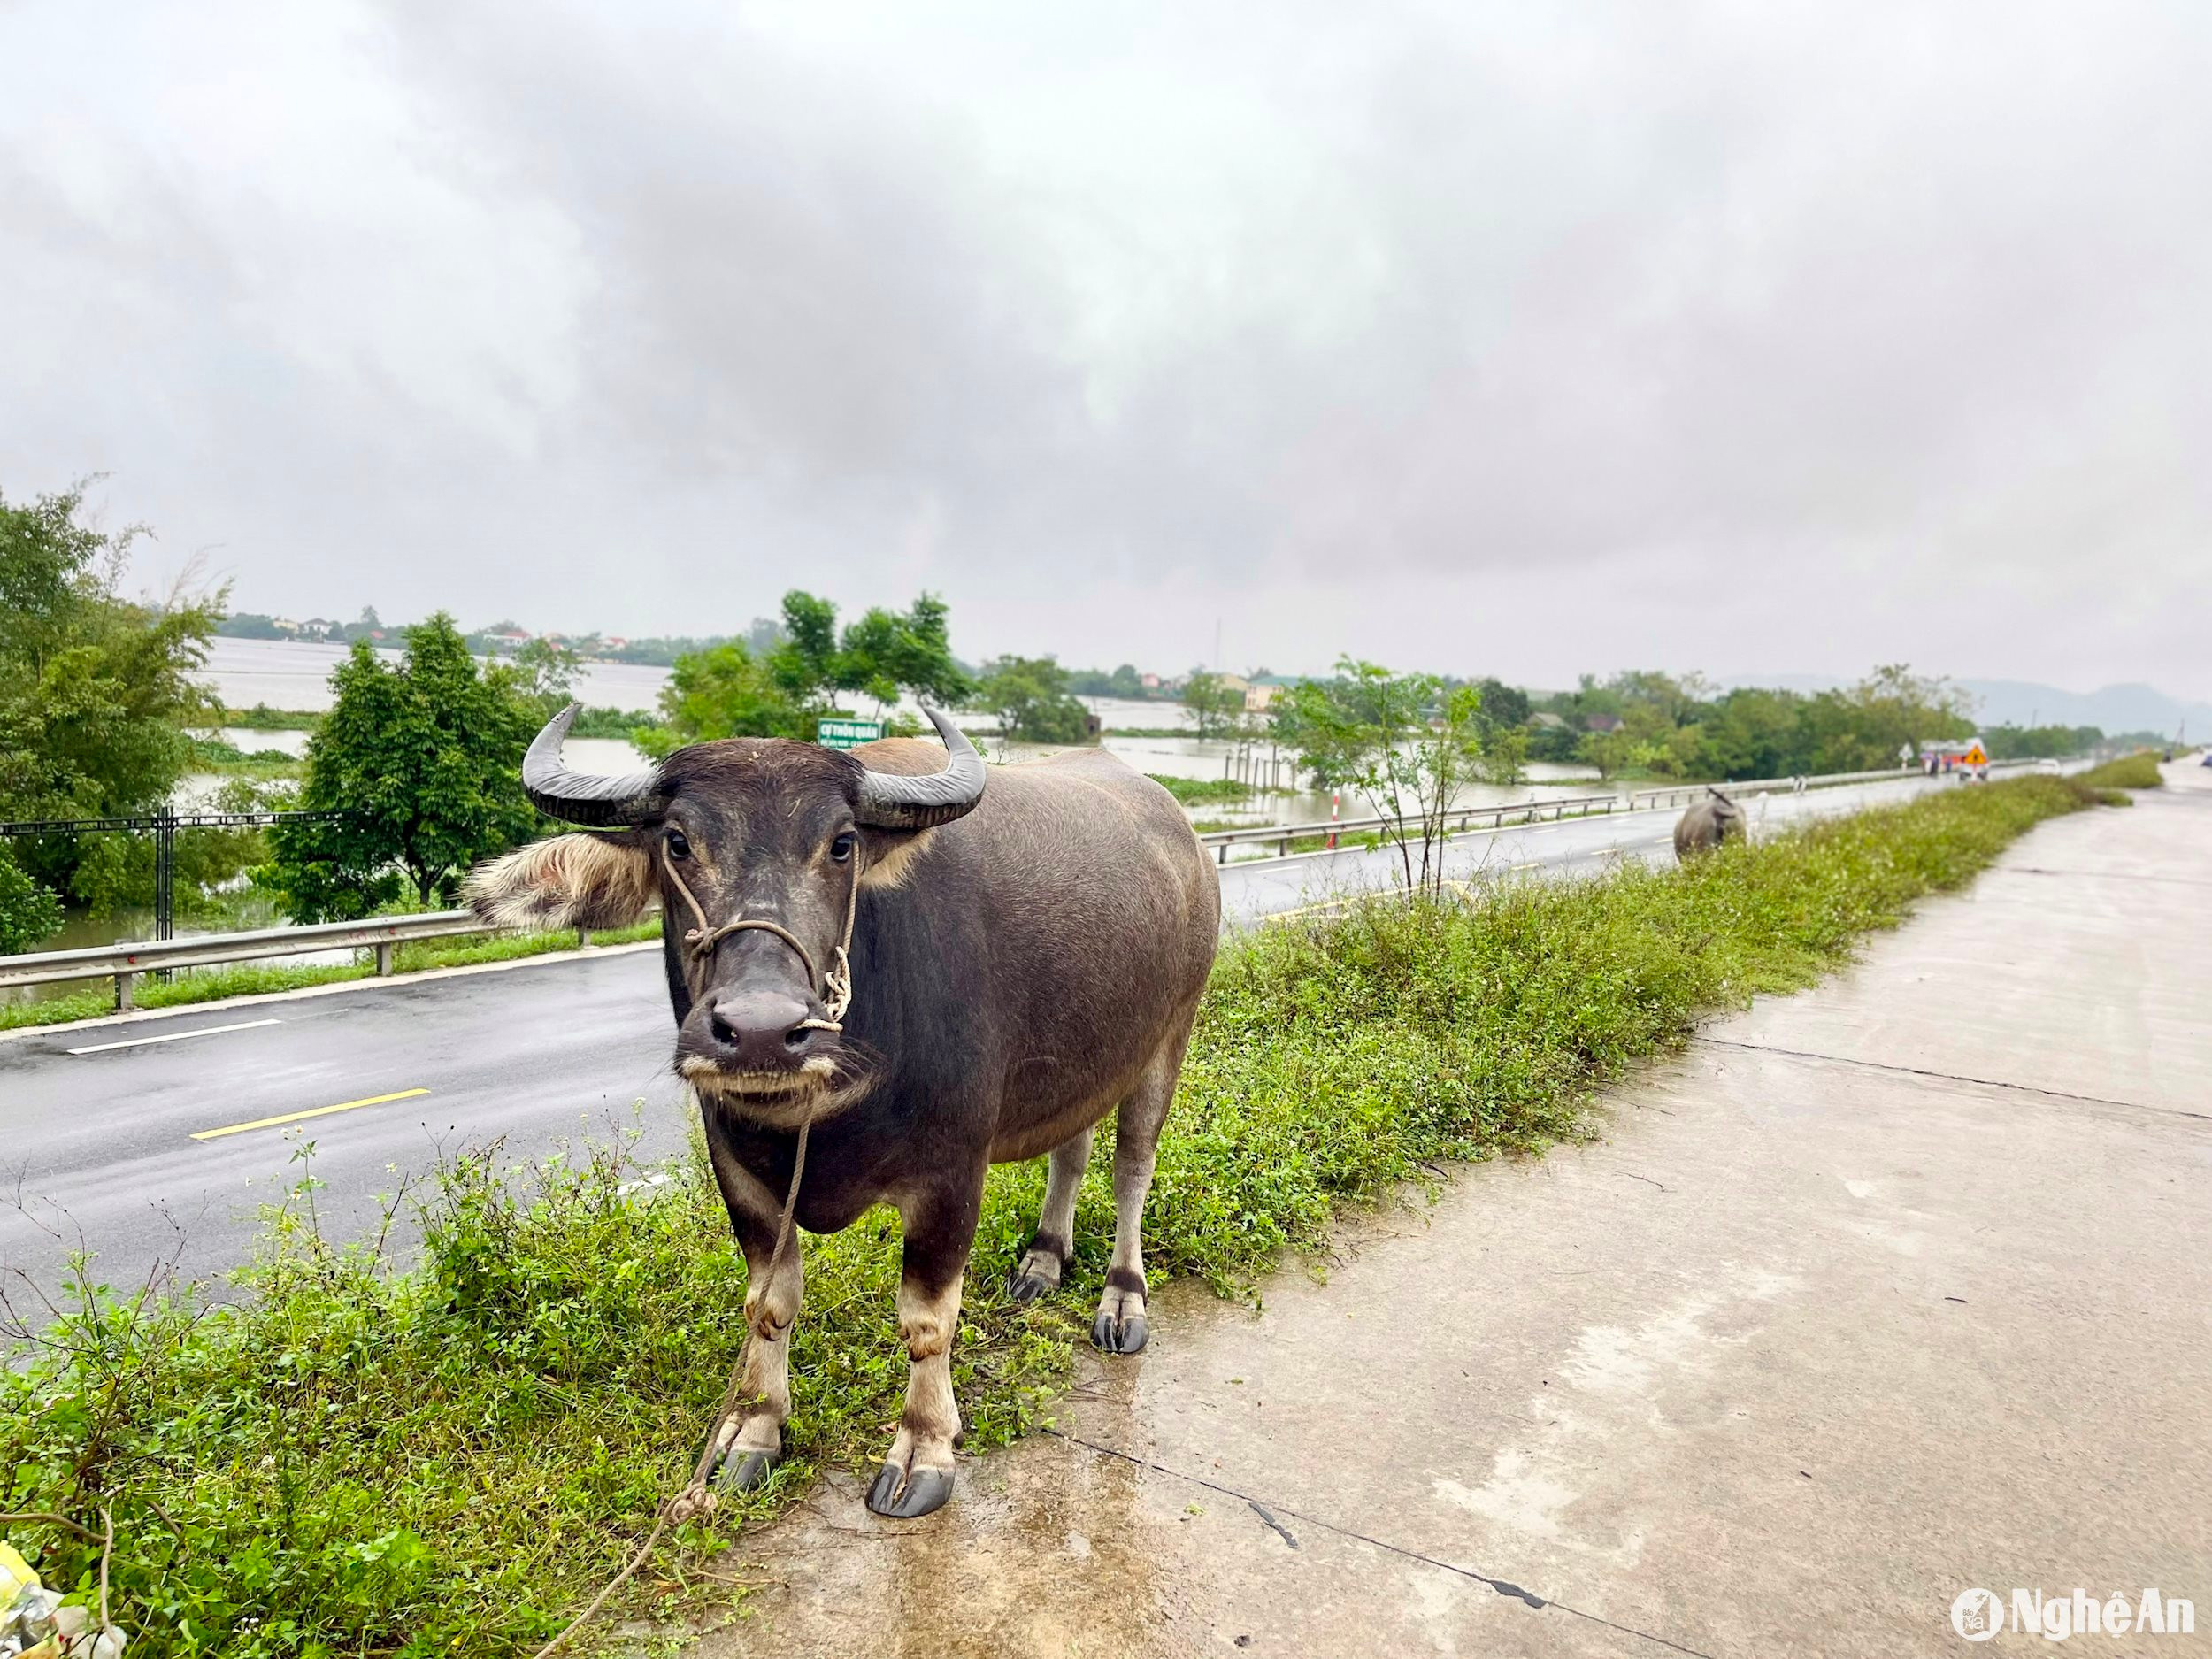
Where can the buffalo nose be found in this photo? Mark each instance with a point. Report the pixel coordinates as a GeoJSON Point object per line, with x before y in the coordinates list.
{"type": "Point", "coordinates": [761, 1030]}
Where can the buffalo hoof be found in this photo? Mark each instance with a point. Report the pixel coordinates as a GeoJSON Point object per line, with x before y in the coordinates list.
{"type": "Point", "coordinates": [901, 1495]}
{"type": "Point", "coordinates": [742, 1471]}
{"type": "Point", "coordinates": [1120, 1333]}
{"type": "Point", "coordinates": [1025, 1287]}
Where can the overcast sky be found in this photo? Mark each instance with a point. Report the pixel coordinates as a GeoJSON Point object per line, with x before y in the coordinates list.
{"type": "Point", "coordinates": [1513, 338]}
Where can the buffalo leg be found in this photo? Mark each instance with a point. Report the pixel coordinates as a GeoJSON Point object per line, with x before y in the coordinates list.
{"type": "Point", "coordinates": [1037, 1272]}
{"type": "Point", "coordinates": [1120, 1326]}
{"type": "Point", "coordinates": [917, 1475]}
{"type": "Point", "coordinates": [751, 1437]}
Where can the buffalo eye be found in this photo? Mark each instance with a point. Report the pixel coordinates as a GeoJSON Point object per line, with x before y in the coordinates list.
{"type": "Point", "coordinates": [841, 848]}
{"type": "Point", "coordinates": [679, 844]}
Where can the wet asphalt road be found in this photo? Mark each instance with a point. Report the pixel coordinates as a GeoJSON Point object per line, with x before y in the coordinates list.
{"type": "Point", "coordinates": [106, 1130]}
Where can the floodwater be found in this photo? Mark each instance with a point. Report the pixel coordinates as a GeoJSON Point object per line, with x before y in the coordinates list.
{"type": "Point", "coordinates": [295, 674]}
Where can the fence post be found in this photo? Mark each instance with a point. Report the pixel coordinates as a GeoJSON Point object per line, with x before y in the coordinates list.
{"type": "Point", "coordinates": [384, 959]}
{"type": "Point", "coordinates": [123, 991]}
{"type": "Point", "coordinates": [583, 938]}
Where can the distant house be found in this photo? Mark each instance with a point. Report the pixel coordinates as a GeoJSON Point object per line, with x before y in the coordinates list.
{"type": "Point", "coordinates": [1547, 720]}
{"type": "Point", "coordinates": [316, 628]}
{"type": "Point", "coordinates": [614, 643]}
{"type": "Point", "coordinates": [1151, 682]}
{"type": "Point", "coordinates": [1260, 694]}
{"type": "Point", "coordinates": [509, 639]}
{"type": "Point", "coordinates": [1601, 723]}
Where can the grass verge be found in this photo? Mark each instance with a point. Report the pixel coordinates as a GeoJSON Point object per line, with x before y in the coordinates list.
{"type": "Point", "coordinates": [362, 1460]}
{"type": "Point", "coordinates": [2139, 770]}
{"type": "Point", "coordinates": [253, 979]}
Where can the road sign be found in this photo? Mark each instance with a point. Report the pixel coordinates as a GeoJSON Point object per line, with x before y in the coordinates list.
{"type": "Point", "coordinates": [846, 734]}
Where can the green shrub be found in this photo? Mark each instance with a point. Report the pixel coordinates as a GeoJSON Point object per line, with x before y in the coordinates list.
{"type": "Point", "coordinates": [2139, 770]}
{"type": "Point", "coordinates": [29, 910]}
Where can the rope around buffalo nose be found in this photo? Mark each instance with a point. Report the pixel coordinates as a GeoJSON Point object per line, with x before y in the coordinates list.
{"type": "Point", "coordinates": [697, 1499]}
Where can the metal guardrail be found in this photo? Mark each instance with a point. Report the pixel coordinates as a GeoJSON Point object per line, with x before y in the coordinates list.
{"type": "Point", "coordinates": [1456, 821]}
{"type": "Point", "coordinates": [1684, 793]}
{"type": "Point", "coordinates": [125, 962]}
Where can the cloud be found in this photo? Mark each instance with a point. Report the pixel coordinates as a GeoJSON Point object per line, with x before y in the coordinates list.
{"type": "Point", "coordinates": [1509, 338]}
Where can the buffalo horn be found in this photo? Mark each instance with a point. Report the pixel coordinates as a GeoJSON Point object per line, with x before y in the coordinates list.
{"type": "Point", "coordinates": [890, 800]}
{"type": "Point", "coordinates": [580, 797]}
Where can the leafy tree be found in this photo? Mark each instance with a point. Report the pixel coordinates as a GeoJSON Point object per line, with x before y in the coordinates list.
{"type": "Point", "coordinates": [804, 665]}
{"type": "Point", "coordinates": [1213, 705]}
{"type": "Point", "coordinates": [884, 653]}
{"type": "Point", "coordinates": [95, 691]}
{"type": "Point", "coordinates": [1030, 696]}
{"type": "Point", "coordinates": [727, 691]}
{"type": "Point", "coordinates": [424, 758]}
{"type": "Point", "coordinates": [547, 671]}
{"type": "Point", "coordinates": [1503, 706]}
{"type": "Point", "coordinates": [1892, 709]}
{"type": "Point", "coordinates": [28, 911]}
{"type": "Point", "coordinates": [1405, 741]}
{"type": "Point", "coordinates": [1503, 761]}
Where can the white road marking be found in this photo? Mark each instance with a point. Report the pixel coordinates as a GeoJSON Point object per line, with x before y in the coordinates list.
{"type": "Point", "coordinates": [175, 1036]}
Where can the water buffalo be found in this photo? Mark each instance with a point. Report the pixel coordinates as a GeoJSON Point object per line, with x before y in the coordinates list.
{"type": "Point", "coordinates": [1707, 824]}
{"type": "Point", "coordinates": [930, 975]}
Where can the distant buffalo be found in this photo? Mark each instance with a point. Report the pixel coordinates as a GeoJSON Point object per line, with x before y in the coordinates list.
{"type": "Point", "coordinates": [1707, 824]}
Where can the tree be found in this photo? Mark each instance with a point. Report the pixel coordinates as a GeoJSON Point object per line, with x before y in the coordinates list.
{"type": "Point", "coordinates": [1503, 706]}
{"type": "Point", "coordinates": [1213, 705]}
{"type": "Point", "coordinates": [96, 692]}
{"type": "Point", "coordinates": [1892, 709]}
{"type": "Point", "coordinates": [1755, 732]}
{"type": "Point", "coordinates": [804, 665]}
{"type": "Point", "coordinates": [1504, 711]}
{"type": "Point", "coordinates": [1029, 695]}
{"type": "Point", "coordinates": [884, 653]}
{"type": "Point", "coordinates": [28, 911]}
{"type": "Point", "coordinates": [725, 691]}
{"type": "Point", "coordinates": [424, 759]}
{"type": "Point", "coordinates": [1503, 761]}
{"type": "Point", "coordinates": [547, 671]}
{"type": "Point", "coordinates": [1404, 741]}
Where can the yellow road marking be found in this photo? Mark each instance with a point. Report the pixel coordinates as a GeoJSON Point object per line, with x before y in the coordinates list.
{"type": "Point", "coordinates": [293, 1118]}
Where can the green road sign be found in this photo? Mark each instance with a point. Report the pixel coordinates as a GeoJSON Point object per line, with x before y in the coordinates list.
{"type": "Point", "coordinates": [846, 733]}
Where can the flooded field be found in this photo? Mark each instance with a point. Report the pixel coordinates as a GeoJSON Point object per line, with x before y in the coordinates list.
{"type": "Point", "coordinates": [295, 674]}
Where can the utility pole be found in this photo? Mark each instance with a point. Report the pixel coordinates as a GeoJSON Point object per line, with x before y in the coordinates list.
{"type": "Point", "coordinates": [1216, 645]}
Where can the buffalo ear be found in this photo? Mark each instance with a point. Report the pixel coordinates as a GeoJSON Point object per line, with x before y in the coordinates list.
{"type": "Point", "coordinates": [891, 854]}
{"type": "Point", "coordinates": [586, 881]}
